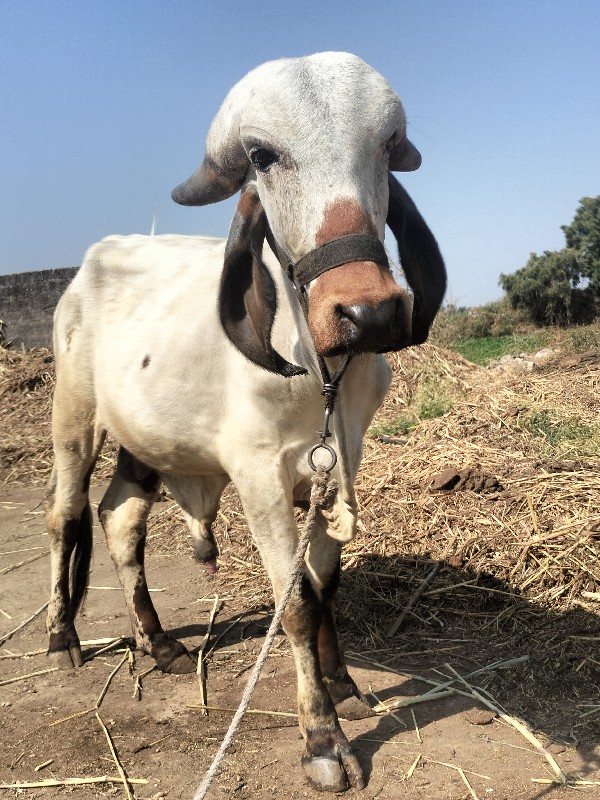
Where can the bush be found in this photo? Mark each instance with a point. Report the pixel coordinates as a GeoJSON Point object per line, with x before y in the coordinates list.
{"type": "Point", "coordinates": [494, 319]}
{"type": "Point", "coordinates": [584, 338]}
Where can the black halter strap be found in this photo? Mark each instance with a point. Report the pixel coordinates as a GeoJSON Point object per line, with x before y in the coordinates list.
{"type": "Point", "coordinates": [345, 249]}
{"type": "Point", "coordinates": [353, 247]}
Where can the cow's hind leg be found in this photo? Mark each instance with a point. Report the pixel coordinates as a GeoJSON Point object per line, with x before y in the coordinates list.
{"type": "Point", "coordinates": [123, 513]}
{"type": "Point", "coordinates": [69, 521]}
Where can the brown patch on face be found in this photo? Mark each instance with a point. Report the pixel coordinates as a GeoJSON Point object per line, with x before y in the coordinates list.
{"type": "Point", "coordinates": [342, 217]}
{"type": "Point", "coordinates": [358, 283]}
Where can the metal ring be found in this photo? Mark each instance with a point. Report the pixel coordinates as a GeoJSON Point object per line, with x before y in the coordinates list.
{"type": "Point", "coordinates": [330, 450]}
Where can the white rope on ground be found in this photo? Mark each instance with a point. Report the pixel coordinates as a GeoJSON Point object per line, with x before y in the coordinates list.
{"type": "Point", "coordinates": [321, 496]}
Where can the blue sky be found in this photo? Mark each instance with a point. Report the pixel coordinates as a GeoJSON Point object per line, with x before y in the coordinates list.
{"type": "Point", "coordinates": [104, 107]}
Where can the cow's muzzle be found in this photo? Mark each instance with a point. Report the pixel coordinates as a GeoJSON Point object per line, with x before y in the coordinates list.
{"type": "Point", "coordinates": [373, 328]}
{"type": "Point", "coordinates": [363, 309]}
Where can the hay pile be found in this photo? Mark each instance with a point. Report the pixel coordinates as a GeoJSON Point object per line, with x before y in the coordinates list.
{"type": "Point", "coordinates": [26, 385]}
{"type": "Point", "coordinates": [473, 488]}
{"type": "Point", "coordinates": [27, 381]}
{"type": "Point", "coordinates": [477, 530]}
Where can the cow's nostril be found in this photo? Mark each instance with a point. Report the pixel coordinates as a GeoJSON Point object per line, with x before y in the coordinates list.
{"type": "Point", "coordinates": [370, 318]}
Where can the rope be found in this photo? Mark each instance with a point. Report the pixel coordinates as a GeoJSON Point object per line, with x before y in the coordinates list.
{"type": "Point", "coordinates": [322, 495]}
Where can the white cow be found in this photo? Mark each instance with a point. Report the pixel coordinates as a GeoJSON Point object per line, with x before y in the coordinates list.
{"type": "Point", "coordinates": [204, 359]}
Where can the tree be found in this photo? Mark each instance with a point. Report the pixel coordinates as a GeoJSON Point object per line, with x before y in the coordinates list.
{"type": "Point", "coordinates": [562, 287]}
{"type": "Point", "coordinates": [583, 235]}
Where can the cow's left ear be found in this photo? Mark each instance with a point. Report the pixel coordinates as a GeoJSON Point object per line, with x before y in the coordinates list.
{"type": "Point", "coordinates": [420, 258]}
{"type": "Point", "coordinates": [247, 294]}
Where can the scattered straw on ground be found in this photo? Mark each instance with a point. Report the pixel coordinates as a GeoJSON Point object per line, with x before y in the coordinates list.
{"type": "Point", "coordinates": [509, 513]}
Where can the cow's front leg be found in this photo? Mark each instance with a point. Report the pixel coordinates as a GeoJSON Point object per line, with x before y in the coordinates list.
{"type": "Point", "coordinates": [323, 562]}
{"type": "Point", "coordinates": [329, 763]}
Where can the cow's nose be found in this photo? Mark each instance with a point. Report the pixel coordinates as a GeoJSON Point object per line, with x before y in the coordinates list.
{"type": "Point", "coordinates": [374, 328]}
{"type": "Point", "coordinates": [371, 317]}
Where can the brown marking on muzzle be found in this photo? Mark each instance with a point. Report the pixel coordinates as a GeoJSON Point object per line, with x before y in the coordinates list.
{"type": "Point", "coordinates": [342, 217]}
{"type": "Point", "coordinates": [357, 283]}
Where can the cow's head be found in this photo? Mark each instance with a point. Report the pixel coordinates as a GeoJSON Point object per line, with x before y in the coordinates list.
{"type": "Point", "coordinates": [312, 142]}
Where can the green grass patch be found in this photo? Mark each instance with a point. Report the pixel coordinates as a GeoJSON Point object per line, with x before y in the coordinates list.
{"type": "Point", "coordinates": [488, 348]}
{"type": "Point", "coordinates": [561, 434]}
{"type": "Point", "coordinates": [401, 424]}
{"type": "Point", "coordinates": [431, 399]}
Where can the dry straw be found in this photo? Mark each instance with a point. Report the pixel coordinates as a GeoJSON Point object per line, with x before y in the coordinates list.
{"type": "Point", "coordinates": [509, 515]}
{"type": "Point", "coordinates": [510, 529]}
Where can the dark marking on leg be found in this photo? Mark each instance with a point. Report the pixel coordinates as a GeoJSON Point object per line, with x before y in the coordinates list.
{"type": "Point", "coordinates": [73, 542]}
{"type": "Point", "coordinates": [64, 649]}
{"type": "Point", "coordinates": [62, 641]}
{"type": "Point", "coordinates": [171, 656]}
{"type": "Point", "coordinates": [330, 655]}
{"type": "Point", "coordinates": [303, 614]}
{"type": "Point", "coordinates": [123, 512]}
{"type": "Point", "coordinates": [349, 701]}
{"type": "Point", "coordinates": [145, 361]}
{"type": "Point", "coordinates": [133, 470]}
{"type": "Point", "coordinates": [330, 765]}
{"type": "Point", "coordinates": [82, 558]}
{"type": "Point", "coordinates": [145, 613]}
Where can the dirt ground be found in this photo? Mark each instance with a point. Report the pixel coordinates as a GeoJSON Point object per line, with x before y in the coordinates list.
{"type": "Point", "coordinates": [160, 738]}
{"type": "Point", "coordinates": [497, 527]}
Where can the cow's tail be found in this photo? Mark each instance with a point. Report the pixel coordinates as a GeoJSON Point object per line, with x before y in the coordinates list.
{"type": "Point", "coordinates": [82, 557]}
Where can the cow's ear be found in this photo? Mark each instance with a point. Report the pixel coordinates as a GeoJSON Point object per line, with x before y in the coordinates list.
{"type": "Point", "coordinates": [420, 258]}
{"type": "Point", "coordinates": [247, 294]}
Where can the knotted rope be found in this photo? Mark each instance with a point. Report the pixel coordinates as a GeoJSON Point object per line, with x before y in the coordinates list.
{"type": "Point", "coordinates": [321, 497]}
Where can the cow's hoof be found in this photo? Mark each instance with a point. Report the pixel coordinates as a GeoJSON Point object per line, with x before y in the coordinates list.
{"type": "Point", "coordinates": [67, 658]}
{"type": "Point", "coordinates": [64, 650]}
{"type": "Point", "coordinates": [211, 566]}
{"type": "Point", "coordinates": [171, 656]}
{"type": "Point", "coordinates": [325, 774]}
{"type": "Point", "coordinates": [181, 665]}
{"type": "Point", "coordinates": [354, 708]}
{"type": "Point", "coordinates": [333, 774]}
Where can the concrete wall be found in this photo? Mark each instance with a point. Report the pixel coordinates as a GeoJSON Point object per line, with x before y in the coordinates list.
{"type": "Point", "coordinates": [27, 303]}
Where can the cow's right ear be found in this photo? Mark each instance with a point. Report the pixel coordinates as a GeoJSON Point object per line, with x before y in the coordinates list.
{"type": "Point", "coordinates": [247, 294]}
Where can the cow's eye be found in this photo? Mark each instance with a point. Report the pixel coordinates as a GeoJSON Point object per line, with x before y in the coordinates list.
{"type": "Point", "coordinates": [390, 144]}
{"type": "Point", "coordinates": [262, 158]}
